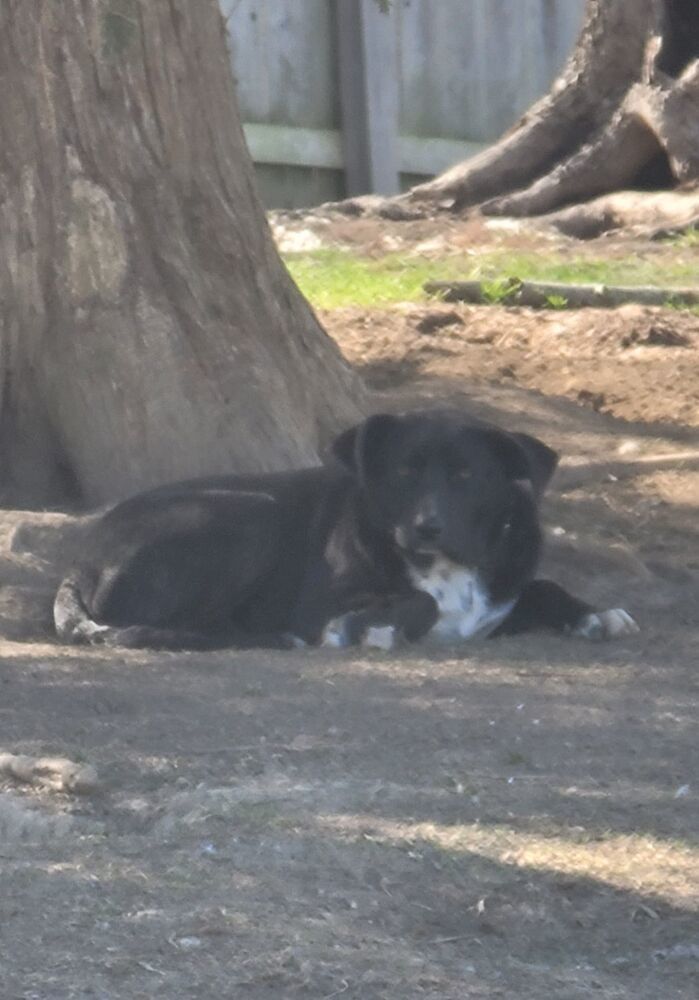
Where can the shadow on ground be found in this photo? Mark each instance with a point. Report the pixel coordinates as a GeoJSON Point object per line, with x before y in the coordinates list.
{"type": "Point", "coordinates": [517, 821]}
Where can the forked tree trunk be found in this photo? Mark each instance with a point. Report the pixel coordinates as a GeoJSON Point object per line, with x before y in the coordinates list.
{"type": "Point", "coordinates": [149, 329]}
{"type": "Point", "coordinates": [624, 113]}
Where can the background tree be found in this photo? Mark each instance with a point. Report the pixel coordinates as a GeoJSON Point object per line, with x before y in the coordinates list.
{"type": "Point", "coordinates": [624, 113]}
{"type": "Point", "coordinates": [149, 329]}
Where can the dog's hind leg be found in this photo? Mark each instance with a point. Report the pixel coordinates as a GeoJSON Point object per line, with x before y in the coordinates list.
{"type": "Point", "coordinates": [544, 604]}
{"type": "Point", "coordinates": [148, 637]}
{"type": "Point", "coordinates": [74, 624]}
{"type": "Point", "coordinates": [172, 578]}
{"type": "Point", "coordinates": [71, 617]}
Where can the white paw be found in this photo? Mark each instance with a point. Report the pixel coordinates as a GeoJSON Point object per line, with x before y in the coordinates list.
{"type": "Point", "coordinates": [90, 630]}
{"type": "Point", "coordinates": [606, 625]}
{"type": "Point", "coordinates": [335, 634]}
{"type": "Point", "coordinates": [379, 637]}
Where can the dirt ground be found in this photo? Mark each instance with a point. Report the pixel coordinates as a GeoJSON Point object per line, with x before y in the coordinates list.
{"type": "Point", "coordinates": [635, 362]}
{"type": "Point", "coordinates": [515, 819]}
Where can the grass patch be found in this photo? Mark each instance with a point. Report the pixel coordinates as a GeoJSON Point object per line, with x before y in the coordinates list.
{"type": "Point", "coordinates": [334, 278]}
{"type": "Point", "coordinates": [686, 240]}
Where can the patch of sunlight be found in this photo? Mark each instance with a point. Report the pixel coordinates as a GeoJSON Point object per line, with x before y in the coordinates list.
{"type": "Point", "coordinates": [639, 863]}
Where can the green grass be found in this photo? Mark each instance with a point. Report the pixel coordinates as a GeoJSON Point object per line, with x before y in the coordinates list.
{"type": "Point", "coordinates": [334, 278]}
{"type": "Point", "coordinates": [689, 239]}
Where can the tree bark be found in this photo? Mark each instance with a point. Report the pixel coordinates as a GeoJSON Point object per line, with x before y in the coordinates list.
{"type": "Point", "coordinates": [149, 328]}
{"type": "Point", "coordinates": [624, 113]}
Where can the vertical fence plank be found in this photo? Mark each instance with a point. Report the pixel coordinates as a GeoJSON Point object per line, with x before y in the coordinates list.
{"type": "Point", "coordinates": [366, 39]}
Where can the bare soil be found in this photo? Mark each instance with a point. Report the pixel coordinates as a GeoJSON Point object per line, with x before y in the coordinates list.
{"type": "Point", "coordinates": [514, 819]}
{"type": "Point", "coordinates": [635, 362]}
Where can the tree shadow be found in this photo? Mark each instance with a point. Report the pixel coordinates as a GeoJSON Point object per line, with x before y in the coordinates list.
{"type": "Point", "coordinates": [403, 824]}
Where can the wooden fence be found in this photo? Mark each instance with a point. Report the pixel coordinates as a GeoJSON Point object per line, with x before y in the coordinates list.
{"type": "Point", "coordinates": [338, 98]}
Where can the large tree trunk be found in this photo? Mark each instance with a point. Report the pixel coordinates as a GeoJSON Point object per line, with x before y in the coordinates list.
{"type": "Point", "coordinates": [149, 329]}
{"type": "Point", "coordinates": [624, 113]}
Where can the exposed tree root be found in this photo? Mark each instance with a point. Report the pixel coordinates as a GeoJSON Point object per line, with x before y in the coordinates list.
{"type": "Point", "coordinates": [662, 116]}
{"type": "Point", "coordinates": [648, 214]}
{"type": "Point", "coordinates": [623, 114]}
{"type": "Point", "coordinates": [593, 82]}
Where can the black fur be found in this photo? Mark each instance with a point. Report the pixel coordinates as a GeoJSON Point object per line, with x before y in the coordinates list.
{"type": "Point", "coordinates": [270, 559]}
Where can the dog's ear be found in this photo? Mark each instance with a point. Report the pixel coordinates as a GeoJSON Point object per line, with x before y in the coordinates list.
{"type": "Point", "coordinates": [541, 461]}
{"type": "Point", "coordinates": [358, 448]}
{"type": "Point", "coordinates": [525, 458]}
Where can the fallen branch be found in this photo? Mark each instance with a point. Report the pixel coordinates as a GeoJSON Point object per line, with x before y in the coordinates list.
{"type": "Point", "coordinates": [556, 295]}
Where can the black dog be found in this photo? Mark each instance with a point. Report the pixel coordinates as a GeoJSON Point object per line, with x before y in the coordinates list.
{"type": "Point", "coordinates": [423, 525]}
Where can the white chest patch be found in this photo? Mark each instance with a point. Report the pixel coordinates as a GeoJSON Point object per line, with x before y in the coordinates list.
{"type": "Point", "coordinates": [465, 607]}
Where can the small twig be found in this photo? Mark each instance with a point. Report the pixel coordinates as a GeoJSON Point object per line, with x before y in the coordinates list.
{"type": "Point", "coordinates": [150, 968]}
{"type": "Point", "coordinates": [449, 940]}
{"type": "Point", "coordinates": [245, 748]}
{"type": "Point", "coordinates": [345, 987]}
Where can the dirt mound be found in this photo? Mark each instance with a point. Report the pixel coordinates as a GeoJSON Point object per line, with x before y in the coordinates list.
{"type": "Point", "coordinates": [635, 362]}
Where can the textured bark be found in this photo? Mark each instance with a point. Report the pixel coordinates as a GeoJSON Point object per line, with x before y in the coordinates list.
{"type": "Point", "coordinates": [149, 329]}
{"type": "Point", "coordinates": [624, 112]}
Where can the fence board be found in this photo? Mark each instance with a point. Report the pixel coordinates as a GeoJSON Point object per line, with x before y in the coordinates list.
{"type": "Point", "coordinates": [285, 61]}
{"type": "Point", "coordinates": [469, 68]}
{"type": "Point", "coordinates": [308, 147]}
{"type": "Point", "coordinates": [464, 71]}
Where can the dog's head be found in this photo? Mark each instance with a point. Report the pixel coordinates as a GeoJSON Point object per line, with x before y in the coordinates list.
{"type": "Point", "coordinates": [440, 483]}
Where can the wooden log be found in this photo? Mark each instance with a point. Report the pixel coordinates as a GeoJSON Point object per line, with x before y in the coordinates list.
{"type": "Point", "coordinates": [550, 294]}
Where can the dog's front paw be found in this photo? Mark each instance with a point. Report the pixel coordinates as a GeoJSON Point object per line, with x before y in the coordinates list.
{"type": "Point", "coordinates": [336, 633]}
{"type": "Point", "coordinates": [610, 624]}
{"type": "Point", "coordinates": [380, 637]}
{"type": "Point", "coordinates": [356, 629]}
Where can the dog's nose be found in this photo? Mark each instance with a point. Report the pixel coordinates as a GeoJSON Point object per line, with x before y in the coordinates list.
{"type": "Point", "coordinates": [428, 528]}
